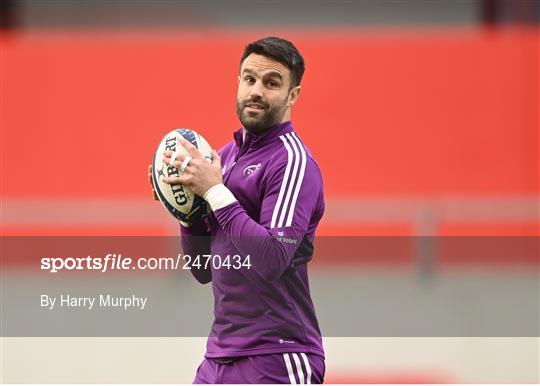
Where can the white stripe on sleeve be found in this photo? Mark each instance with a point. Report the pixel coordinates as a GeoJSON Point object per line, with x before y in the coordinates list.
{"type": "Point", "coordinates": [299, 182]}
{"type": "Point", "coordinates": [294, 175]}
{"type": "Point", "coordinates": [283, 183]}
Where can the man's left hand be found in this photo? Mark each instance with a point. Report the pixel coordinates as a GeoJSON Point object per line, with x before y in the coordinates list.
{"type": "Point", "coordinates": [199, 175]}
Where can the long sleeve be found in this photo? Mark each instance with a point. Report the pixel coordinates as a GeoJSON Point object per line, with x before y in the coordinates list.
{"type": "Point", "coordinates": [292, 198]}
{"type": "Point", "coordinates": [195, 241]}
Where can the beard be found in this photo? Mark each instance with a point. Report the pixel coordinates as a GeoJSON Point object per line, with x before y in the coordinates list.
{"type": "Point", "coordinates": [269, 116]}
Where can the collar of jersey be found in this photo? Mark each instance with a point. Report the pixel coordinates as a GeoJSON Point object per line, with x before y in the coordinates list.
{"type": "Point", "coordinates": [254, 140]}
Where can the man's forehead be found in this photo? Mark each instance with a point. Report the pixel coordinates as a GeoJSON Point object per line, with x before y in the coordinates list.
{"type": "Point", "coordinates": [261, 65]}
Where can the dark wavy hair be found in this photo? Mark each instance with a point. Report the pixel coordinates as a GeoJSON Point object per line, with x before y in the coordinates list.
{"type": "Point", "coordinates": [282, 51]}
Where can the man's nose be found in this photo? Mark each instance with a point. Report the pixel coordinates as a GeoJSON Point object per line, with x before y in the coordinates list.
{"type": "Point", "coordinates": [256, 90]}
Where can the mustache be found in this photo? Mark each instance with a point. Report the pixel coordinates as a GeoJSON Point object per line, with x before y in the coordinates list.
{"type": "Point", "coordinates": [257, 101]}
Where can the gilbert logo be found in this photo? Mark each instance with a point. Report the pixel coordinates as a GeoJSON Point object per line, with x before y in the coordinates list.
{"type": "Point", "coordinates": [249, 170]}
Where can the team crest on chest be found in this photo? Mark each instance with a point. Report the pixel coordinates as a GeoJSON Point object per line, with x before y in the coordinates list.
{"type": "Point", "coordinates": [249, 170]}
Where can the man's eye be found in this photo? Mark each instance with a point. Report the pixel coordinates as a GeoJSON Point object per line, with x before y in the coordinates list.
{"type": "Point", "coordinates": [271, 83]}
{"type": "Point", "coordinates": [249, 80]}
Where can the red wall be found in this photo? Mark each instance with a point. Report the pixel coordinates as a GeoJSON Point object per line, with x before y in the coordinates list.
{"type": "Point", "coordinates": [404, 112]}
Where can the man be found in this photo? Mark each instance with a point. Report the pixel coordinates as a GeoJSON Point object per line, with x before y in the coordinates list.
{"type": "Point", "coordinates": [266, 195]}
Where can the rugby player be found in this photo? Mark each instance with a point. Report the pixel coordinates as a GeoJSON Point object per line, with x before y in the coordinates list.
{"type": "Point", "coordinates": [266, 195]}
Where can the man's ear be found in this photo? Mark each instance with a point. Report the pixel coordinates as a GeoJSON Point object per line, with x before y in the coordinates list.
{"type": "Point", "coordinates": [293, 95]}
{"type": "Point", "coordinates": [238, 79]}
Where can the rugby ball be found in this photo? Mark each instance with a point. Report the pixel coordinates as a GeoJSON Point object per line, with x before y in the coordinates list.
{"type": "Point", "coordinates": [180, 201]}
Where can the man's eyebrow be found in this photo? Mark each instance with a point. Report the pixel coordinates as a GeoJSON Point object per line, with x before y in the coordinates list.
{"type": "Point", "coordinates": [247, 70]}
{"type": "Point", "coordinates": [272, 73]}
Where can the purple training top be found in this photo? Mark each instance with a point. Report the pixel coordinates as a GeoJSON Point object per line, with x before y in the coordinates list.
{"type": "Point", "coordinates": [267, 308]}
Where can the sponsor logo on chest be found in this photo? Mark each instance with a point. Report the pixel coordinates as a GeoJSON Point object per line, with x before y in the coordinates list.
{"type": "Point", "coordinates": [250, 169]}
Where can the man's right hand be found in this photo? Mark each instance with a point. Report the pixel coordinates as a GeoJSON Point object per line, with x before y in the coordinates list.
{"type": "Point", "coordinates": [152, 183]}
